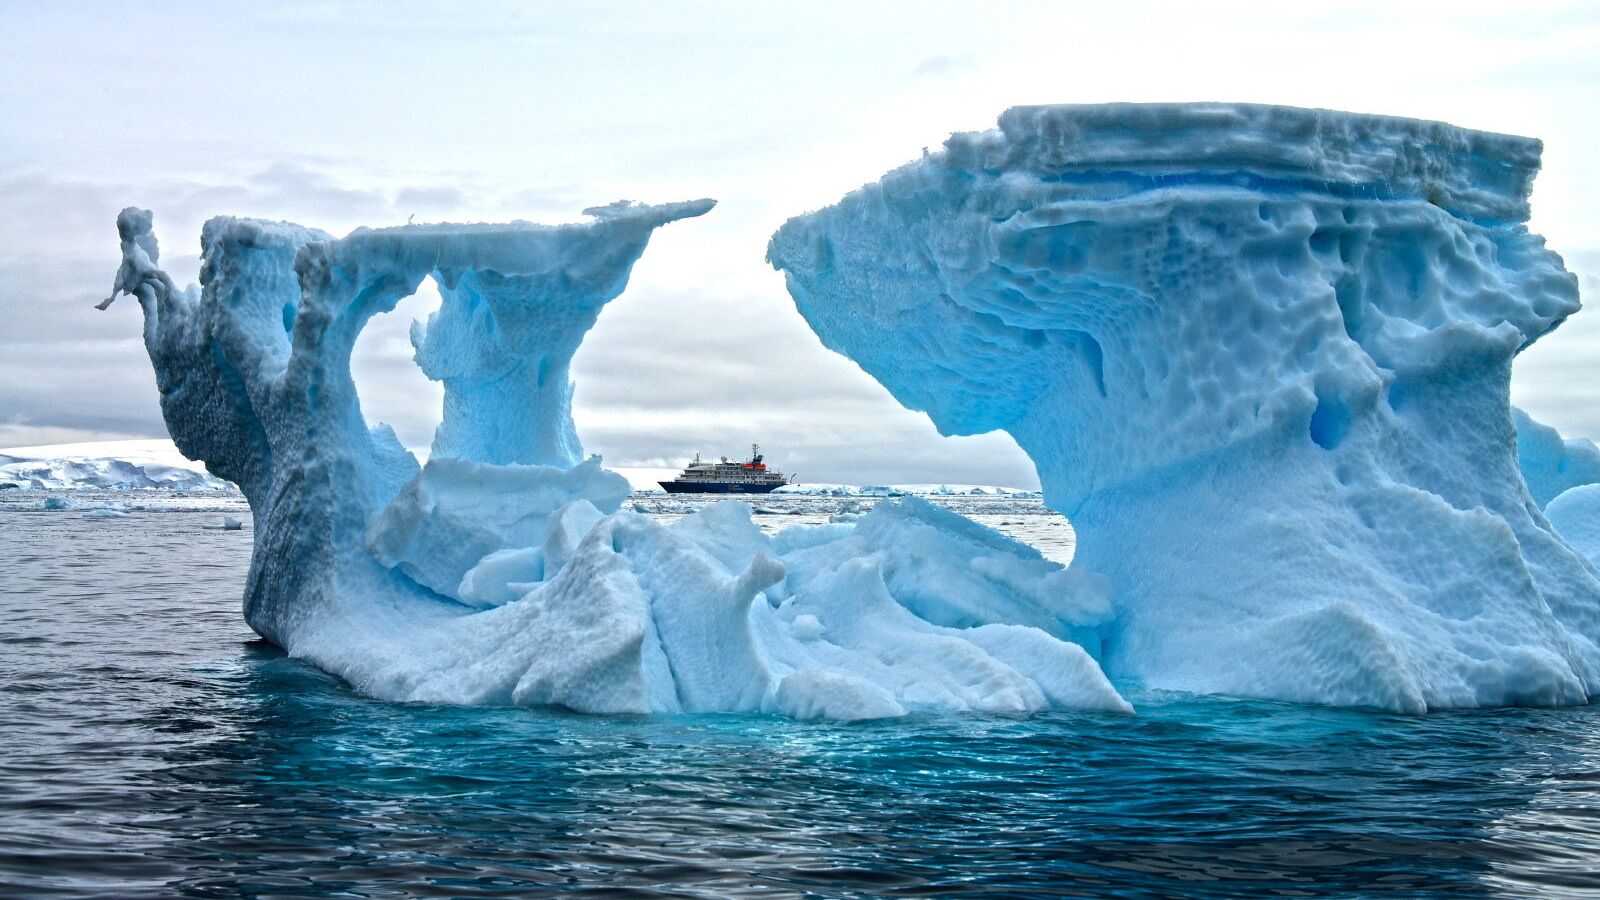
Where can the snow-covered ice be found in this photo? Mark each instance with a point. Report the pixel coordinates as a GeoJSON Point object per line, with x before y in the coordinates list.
{"type": "Point", "coordinates": [105, 465]}
{"type": "Point", "coordinates": [1260, 357]}
{"type": "Point", "coordinates": [828, 489]}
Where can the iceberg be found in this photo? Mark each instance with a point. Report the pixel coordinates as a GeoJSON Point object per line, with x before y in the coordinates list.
{"type": "Point", "coordinates": [505, 570]}
{"type": "Point", "coordinates": [1551, 464]}
{"type": "Point", "coordinates": [1260, 357]}
{"type": "Point", "coordinates": [1575, 515]}
{"type": "Point", "coordinates": [1563, 477]}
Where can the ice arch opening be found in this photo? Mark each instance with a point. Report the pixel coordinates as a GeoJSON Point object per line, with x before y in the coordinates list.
{"type": "Point", "coordinates": [1260, 356]}
{"type": "Point", "coordinates": [390, 386]}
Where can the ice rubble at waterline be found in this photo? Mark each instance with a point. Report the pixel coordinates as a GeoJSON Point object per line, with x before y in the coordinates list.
{"type": "Point", "coordinates": [1260, 357]}
{"type": "Point", "coordinates": [504, 570]}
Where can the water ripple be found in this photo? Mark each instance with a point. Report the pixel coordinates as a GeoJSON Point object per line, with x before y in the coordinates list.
{"type": "Point", "coordinates": [149, 745]}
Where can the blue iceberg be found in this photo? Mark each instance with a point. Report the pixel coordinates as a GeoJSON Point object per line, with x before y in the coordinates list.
{"type": "Point", "coordinates": [504, 570]}
{"type": "Point", "coordinates": [1551, 464]}
{"type": "Point", "coordinates": [1260, 357]}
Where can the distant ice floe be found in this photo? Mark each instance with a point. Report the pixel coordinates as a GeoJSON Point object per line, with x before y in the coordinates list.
{"type": "Point", "coordinates": [822, 489]}
{"type": "Point", "coordinates": [1575, 514]}
{"type": "Point", "coordinates": [1563, 477]}
{"type": "Point", "coordinates": [111, 465]}
{"type": "Point", "coordinates": [1551, 464]}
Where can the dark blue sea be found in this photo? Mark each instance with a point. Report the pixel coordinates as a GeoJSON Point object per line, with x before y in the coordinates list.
{"type": "Point", "coordinates": [150, 745]}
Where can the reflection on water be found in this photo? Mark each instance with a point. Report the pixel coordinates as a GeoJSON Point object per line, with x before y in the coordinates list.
{"type": "Point", "coordinates": [148, 744]}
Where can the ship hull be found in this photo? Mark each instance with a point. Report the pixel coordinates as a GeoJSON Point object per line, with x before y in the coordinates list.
{"type": "Point", "coordinates": [715, 487]}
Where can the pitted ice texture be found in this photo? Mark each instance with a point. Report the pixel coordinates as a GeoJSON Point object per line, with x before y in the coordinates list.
{"type": "Point", "coordinates": [1260, 357]}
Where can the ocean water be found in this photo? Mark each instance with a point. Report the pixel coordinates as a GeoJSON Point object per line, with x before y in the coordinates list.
{"type": "Point", "coordinates": [151, 746]}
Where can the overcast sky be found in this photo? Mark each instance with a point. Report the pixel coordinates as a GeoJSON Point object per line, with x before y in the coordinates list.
{"type": "Point", "coordinates": [344, 114]}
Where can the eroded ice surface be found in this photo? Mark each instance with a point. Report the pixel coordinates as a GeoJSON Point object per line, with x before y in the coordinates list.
{"type": "Point", "coordinates": [1260, 357]}
{"type": "Point", "coordinates": [504, 571]}
{"type": "Point", "coordinates": [1563, 476]}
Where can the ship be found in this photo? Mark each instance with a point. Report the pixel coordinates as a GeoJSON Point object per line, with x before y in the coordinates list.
{"type": "Point", "coordinates": [726, 477]}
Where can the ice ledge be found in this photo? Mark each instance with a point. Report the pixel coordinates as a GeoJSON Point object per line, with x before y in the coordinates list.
{"type": "Point", "coordinates": [1473, 174]}
{"type": "Point", "coordinates": [515, 248]}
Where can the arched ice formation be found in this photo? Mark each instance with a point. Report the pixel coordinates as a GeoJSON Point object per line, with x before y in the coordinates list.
{"type": "Point", "coordinates": [254, 368]}
{"type": "Point", "coordinates": [505, 569]}
{"type": "Point", "coordinates": [1260, 357]}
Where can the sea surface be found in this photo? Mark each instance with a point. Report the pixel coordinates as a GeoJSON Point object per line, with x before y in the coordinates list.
{"type": "Point", "coordinates": [150, 745]}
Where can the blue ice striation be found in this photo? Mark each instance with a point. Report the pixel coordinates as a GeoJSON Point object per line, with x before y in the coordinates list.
{"type": "Point", "coordinates": [1260, 356]}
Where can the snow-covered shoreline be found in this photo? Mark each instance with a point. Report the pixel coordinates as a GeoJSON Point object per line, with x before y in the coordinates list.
{"type": "Point", "coordinates": [104, 465]}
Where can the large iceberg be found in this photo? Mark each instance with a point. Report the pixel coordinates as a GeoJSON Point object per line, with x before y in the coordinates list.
{"type": "Point", "coordinates": [1563, 477]}
{"type": "Point", "coordinates": [504, 570]}
{"type": "Point", "coordinates": [1260, 357]}
{"type": "Point", "coordinates": [1551, 464]}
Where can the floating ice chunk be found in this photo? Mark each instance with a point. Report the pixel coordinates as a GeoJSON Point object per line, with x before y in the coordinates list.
{"type": "Point", "coordinates": [1575, 515]}
{"type": "Point", "coordinates": [1549, 463]}
{"type": "Point", "coordinates": [1259, 356]}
